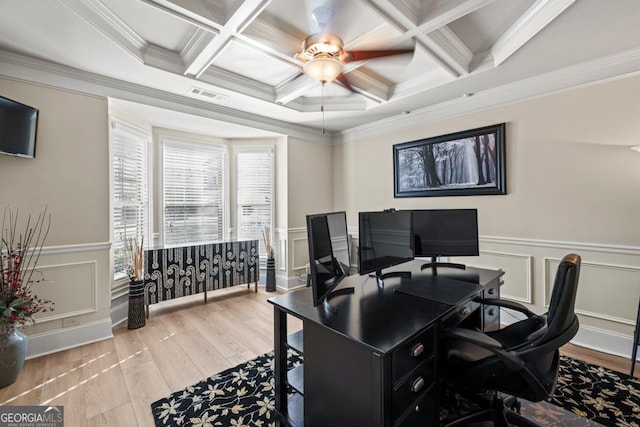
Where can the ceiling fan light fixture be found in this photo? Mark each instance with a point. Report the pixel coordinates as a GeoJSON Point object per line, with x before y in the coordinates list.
{"type": "Point", "coordinates": [322, 44]}
{"type": "Point", "coordinates": [323, 69]}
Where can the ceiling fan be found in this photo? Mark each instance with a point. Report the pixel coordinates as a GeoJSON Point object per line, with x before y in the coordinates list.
{"type": "Point", "coordinates": [324, 56]}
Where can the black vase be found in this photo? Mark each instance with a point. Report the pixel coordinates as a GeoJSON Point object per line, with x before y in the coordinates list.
{"type": "Point", "coordinates": [271, 274]}
{"type": "Point", "coordinates": [136, 304]}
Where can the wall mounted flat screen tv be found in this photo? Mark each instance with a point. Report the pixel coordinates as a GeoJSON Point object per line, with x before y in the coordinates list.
{"type": "Point", "coordinates": [386, 240]}
{"type": "Point", "coordinates": [445, 232]}
{"type": "Point", "coordinates": [18, 128]}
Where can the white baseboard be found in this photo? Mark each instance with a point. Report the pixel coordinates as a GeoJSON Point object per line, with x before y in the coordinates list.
{"type": "Point", "coordinates": [592, 338]}
{"type": "Point", "coordinates": [120, 312]}
{"type": "Point", "coordinates": [66, 338]}
{"type": "Point", "coordinates": [604, 341]}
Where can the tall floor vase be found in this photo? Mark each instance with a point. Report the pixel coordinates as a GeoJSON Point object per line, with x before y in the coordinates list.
{"type": "Point", "coordinates": [136, 304]}
{"type": "Point", "coordinates": [13, 350]}
{"type": "Point", "coordinates": [271, 274]}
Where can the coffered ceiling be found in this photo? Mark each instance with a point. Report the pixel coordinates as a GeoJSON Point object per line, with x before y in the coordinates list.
{"type": "Point", "coordinates": [239, 57]}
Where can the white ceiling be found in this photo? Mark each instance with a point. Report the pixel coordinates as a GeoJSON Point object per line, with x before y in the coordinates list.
{"type": "Point", "coordinates": [242, 52]}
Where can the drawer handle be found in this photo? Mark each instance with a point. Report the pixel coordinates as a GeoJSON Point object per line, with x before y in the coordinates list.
{"type": "Point", "coordinates": [417, 350]}
{"type": "Point", "coordinates": [492, 291]}
{"type": "Point", "coordinates": [492, 312]}
{"type": "Point", "coordinates": [417, 409]}
{"type": "Point", "coordinates": [464, 311]}
{"type": "Point", "coordinates": [417, 385]}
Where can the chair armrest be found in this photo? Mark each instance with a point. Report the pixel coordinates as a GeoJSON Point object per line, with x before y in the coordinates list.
{"type": "Point", "coordinates": [482, 340]}
{"type": "Point", "coordinates": [510, 305]}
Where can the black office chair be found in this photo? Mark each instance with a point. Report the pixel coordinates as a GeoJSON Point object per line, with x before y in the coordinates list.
{"type": "Point", "coordinates": [520, 360]}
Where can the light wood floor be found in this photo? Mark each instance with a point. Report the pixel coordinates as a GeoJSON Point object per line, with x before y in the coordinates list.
{"type": "Point", "coordinates": [113, 382]}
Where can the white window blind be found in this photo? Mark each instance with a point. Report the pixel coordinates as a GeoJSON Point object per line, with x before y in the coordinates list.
{"type": "Point", "coordinates": [130, 189]}
{"type": "Point", "coordinates": [254, 193]}
{"type": "Point", "coordinates": [193, 192]}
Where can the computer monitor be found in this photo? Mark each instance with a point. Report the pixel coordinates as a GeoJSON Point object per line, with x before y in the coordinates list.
{"type": "Point", "coordinates": [328, 255]}
{"type": "Point", "coordinates": [386, 240]}
{"type": "Point", "coordinates": [445, 232]}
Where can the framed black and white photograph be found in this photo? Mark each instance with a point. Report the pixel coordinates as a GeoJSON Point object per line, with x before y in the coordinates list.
{"type": "Point", "coordinates": [466, 163]}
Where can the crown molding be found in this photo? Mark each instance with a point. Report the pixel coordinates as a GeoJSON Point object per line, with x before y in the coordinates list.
{"type": "Point", "coordinates": [620, 65]}
{"type": "Point", "coordinates": [336, 103]}
{"type": "Point", "coordinates": [449, 47]}
{"type": "Point", "coordinates": [526, 27]}
{"type": "Point", "coordinates": [32, 70]}
{"type": "Point", "coordinates": [163, 59]}
{"type": "Point", "coordinates": [230, 81]}
{"type": "Point", "coordinates": [99, 16]}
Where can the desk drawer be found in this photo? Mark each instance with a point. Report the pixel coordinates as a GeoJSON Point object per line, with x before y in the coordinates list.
{"type": "Point", "coordinates": [462, 312]}
{"type": "Point", "coordinates": [412, 354]}
{"type": "Point", "coordinates": [424, 412]}
{"type": "Point", "coordinates": [413, 386]}
{"type": "Point", "coordinates": [491, 313]}
{"type": "Point", "coordinates": [492, 290]}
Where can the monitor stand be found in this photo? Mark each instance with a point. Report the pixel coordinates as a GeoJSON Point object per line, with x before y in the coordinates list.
{"type": "Point", "coordinates": [434, 264]}
{"type": "Point", "coordinates": [331, 308]}
{"type": "Point", "coordinates": [380, 276]}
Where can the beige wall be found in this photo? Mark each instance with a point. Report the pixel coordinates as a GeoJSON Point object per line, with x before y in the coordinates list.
{"type": "Point", "coordinates": [69, 173]}
{"type": "Point", "coordinates": [309, 190]}
{"type": "Point", "coordinates": [573, 186]}
{"type": "Point", "coordinates": [310, 185]}
{"type": "Point", "coordinates": [71, 177]}
{"type": "Point", "coordinates": [570, 173]}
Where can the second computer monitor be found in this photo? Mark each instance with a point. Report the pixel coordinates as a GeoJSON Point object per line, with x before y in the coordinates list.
{"type": "Point", "coordinates": [445, 232]}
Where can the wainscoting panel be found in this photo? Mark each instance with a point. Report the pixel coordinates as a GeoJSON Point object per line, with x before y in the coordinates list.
{"type": "Point", "coordinates": [518, 283]}
{"type": "Point", "coordinates": [300, 253]}
{"type": "Point", "coordinates": [608, 293]}
{"type": "Point", "coordinates": [603, 291]}
{"type": "Point", "coordinates": [76, 281]}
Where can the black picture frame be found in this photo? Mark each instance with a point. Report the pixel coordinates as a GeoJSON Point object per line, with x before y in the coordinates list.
{"type": "Point", "coordinates": [467, 163]}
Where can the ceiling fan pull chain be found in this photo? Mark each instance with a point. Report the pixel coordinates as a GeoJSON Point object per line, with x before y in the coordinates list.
{"type": "Point", "coordinates": [322, 105]}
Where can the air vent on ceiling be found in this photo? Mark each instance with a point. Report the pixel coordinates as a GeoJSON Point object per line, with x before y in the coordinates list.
{"type": "Point", "coordinates": [206, 94]}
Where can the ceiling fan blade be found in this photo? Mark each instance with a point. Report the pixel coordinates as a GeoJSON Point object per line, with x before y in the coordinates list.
{"type": "Point", "coordinates": [343, 79]}
{"type": "Point", "coordinates": [361, 55]}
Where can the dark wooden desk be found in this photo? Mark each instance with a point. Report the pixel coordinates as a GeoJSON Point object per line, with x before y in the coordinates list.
{"type": "Point", "coordinates": [374, 363]}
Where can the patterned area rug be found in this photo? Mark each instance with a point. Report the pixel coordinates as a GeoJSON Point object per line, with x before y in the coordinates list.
{"type": "Point", "coordinates": [243, 396]}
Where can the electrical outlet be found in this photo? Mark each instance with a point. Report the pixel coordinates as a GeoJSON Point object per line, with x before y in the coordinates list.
{"type": "Point", "coordinates": [71, 321]}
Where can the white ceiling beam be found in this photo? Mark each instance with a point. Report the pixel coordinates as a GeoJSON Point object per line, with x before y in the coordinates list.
{"type": "Point", "coordinates": [434, 46]}
{"type": "Point", "coordinates": [526, 27]}
{"type": "Point", "coordinates": [241, 18]}
{"type": "Point", "coordinates": [229, 81]}
{"type": "Point", "coordinates": [270, 40]}
{"type": "Point", "coordinates": [368, 86]}
{"type": "Point", "coordinates": [99, 16]}
{"type": "Point", "coordinates": [447, 45]}
{"type": "Point", "coordinates": [196, 20]}
{"type": "Point", "coordinates": [443, 12]}
{"type": "Point", "coordinates": [197, 42]}
{"type": "Point", "coordinates": [211, 14]}
{"type": "Point", "coordinates": [294, 88]}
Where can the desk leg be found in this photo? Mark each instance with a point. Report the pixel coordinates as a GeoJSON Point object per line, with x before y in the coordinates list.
{"type": "Point", "coordinates": [280, 360]}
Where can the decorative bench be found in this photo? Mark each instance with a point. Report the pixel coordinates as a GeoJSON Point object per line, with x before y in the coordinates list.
{"type": "Point", "coordinates": [171, 273]}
